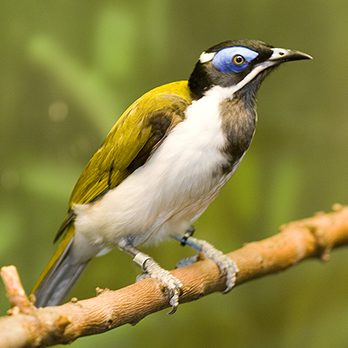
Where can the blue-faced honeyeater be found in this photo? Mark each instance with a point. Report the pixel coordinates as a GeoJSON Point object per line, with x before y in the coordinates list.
{"type": "Point", "coordinates": [161, 165]}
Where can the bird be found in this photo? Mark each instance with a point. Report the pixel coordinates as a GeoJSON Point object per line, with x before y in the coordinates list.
{"type": "Point", "coordinates": [161, 165]}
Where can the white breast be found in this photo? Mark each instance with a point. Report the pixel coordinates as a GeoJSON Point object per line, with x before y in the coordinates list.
{"type": "Point", "coordinates": [170, 191]}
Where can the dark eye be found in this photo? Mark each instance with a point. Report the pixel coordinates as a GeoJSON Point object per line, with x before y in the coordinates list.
{"type": "Point", "coordinates": [238, 59]}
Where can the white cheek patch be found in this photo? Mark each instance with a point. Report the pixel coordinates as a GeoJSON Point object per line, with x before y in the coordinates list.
{"type": "Point", "coordinates": [206, 57]}
{"type": "Point", "coordinates": [227, 92]}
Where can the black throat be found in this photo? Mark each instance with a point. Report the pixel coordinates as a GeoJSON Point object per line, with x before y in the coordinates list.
{"type": "Point", "coordinates": [238, 117]}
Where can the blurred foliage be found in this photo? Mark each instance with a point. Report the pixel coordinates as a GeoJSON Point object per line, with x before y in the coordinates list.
{"type": "Point", "coordinates": [69, 68]}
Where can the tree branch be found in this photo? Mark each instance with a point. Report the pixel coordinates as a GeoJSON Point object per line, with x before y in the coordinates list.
{"type": "Point", "coordinates": [15, 292]}
{"type": "Point", "coordinates": [27, 326]}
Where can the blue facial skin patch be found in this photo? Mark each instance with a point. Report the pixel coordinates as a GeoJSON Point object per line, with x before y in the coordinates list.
{"type": "Point", "coordinates": [223, 60]}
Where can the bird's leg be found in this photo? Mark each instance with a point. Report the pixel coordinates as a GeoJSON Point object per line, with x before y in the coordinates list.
{"type": "Point", "coordinates": [189, 233]}
{"type": "Point", "coordinates": [226, 266]}
{"type": "Point", "coordinates": [183, 242]}
{"type": "Point", "coordinates": [153, 270]}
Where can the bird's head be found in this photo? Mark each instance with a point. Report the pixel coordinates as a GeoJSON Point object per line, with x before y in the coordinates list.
{"type": "Point", "coordinates": [238, 66]}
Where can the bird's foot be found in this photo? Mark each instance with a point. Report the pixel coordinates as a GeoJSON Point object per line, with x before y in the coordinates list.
{"type": "Point", "coordinates": [171, 284]}
{"type": "Point", "coordinates": [226, 266]}
{"type": "Point", "coordinates": [152, 269]}
{"type": "Point", "coordinates": [187, 261]}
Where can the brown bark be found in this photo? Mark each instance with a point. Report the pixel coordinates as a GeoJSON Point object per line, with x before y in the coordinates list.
{"type": "Point", "coordinates": [27, 326]}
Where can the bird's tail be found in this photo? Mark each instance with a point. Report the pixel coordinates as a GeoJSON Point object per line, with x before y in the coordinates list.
{"type": "Point", "coordinates": [59, 275]}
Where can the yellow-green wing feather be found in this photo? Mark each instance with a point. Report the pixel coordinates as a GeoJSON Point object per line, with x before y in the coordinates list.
{"type": "Point", "coordinates": [132, 132]}
{"type": "Point", "coordinates": [55, 257]}
{"type": "Point", "coordinates": [130, 142]}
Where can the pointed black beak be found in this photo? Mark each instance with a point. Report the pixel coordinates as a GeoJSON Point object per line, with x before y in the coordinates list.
{"type": "Point", "coordinates": [281, 55]}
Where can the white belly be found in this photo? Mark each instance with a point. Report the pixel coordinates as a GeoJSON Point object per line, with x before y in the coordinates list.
{"type": "Point", "coordinates": [170, 191]}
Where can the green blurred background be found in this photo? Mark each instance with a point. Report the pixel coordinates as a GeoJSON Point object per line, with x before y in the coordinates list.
{"type": "Point", "coordinates": [69, 68]}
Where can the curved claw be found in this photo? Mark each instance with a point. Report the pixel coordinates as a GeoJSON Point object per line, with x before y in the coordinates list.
{"type": "Point", "coordinates": [171, 285]}
{"type": "Point", "coordinates": [226, 266]}
{"type": "Point", "coordinates": [230, 269]}
{"type": "Point", "coordinates": [174, 300]}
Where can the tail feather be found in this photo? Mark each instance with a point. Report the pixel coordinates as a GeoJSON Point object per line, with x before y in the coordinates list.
{"type": "Point", "coordinates": [60, 274]}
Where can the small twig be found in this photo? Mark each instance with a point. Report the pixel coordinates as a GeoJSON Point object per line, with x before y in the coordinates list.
{"type": "Point", "coordinates": [14, 291]}
{"type": "Point", "coordinates": [297, 241]}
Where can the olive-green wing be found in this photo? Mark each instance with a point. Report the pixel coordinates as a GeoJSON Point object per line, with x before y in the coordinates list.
{"type": "Point", "coordinates": [129, 144]}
